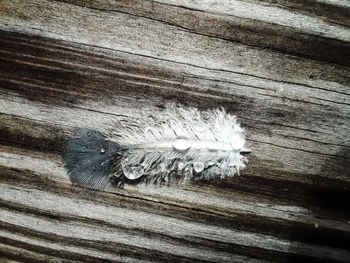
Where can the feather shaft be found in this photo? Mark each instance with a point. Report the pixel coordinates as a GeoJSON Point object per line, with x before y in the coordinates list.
{"type": "Point", "coordinates": [177, 145]}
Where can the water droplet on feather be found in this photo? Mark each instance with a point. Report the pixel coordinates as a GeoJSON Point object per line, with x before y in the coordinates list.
{"type": "Point", "coordinates": [198, 166]}
{"type": "Point", "coordinates": [102, 151]}
{"type": "Point", "coordinates": [211, 146]}
{"type": "Point", "coordinates": [237, 141]}
{"type": "Point", "coordinates": [181, 144]}
{"type": "Point", "coordinates": [132, 172]}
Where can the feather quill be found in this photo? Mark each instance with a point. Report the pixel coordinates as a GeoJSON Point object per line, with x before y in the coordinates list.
{"type": "Point", "coordinates": [182, 144]}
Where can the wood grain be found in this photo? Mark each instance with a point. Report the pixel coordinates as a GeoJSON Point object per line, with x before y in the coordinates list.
{"type": "Point", "coordinates": [281, 66]}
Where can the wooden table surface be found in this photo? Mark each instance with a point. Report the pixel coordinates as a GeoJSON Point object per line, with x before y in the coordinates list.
{"type": "Point", "coordinates": [281, 66]}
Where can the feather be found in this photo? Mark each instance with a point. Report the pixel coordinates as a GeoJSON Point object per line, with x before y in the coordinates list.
{"type": "Point", "coordinates": [181, 144]}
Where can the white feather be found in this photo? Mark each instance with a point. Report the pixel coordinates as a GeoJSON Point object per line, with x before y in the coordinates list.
{"type": "Point", "coordinates": [182, 143]}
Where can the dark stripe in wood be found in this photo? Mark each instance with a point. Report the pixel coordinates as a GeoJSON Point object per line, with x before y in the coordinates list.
{"type": "Point", "coordinates": [64, 255]}
{"type": "Point", "coordinates": [329, 12]}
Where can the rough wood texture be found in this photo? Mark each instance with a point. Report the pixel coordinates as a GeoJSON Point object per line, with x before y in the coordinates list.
{"type": "Point", "coordinates": [281, 66]}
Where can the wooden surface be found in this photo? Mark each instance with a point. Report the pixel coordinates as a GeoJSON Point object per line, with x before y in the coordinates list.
{"type": "Point", "coordinates": [281, 66]}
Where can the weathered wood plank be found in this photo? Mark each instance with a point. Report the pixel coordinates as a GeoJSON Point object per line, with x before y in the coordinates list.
{"type": "Point", "coordinates": [281, 66]}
